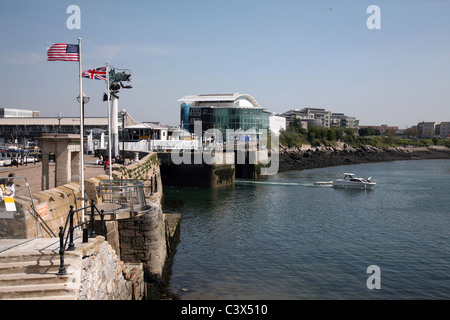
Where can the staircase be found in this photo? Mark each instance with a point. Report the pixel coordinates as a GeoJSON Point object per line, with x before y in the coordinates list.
{"type": "Point", "coordinates": [32, 274]}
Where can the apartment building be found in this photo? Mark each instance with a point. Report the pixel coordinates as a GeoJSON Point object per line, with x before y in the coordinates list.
{"type": "Point", "coordinates": [320, 117]}
{"type": "Point", "coordinates": [433, 129]}
{"type": "Point", "coordinates": [444, 130]}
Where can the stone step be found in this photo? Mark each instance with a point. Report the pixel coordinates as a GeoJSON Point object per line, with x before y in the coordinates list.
{"type": "Point", "coordinates": [28, 257]}
{"type": "Point", "coordinates": [54, 257]}
{"type": "Point", "coordinates": [39, 290]}
{"type": "Point", "coordinates": [33, 267]}
{"type": "Point", "coordinates": [64, 297]}
{"type": "Point", "coordinates": [18, 279]}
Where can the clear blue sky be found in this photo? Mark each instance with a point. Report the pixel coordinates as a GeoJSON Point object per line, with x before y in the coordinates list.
{"type": "Point", "coordinates": [286, 54]}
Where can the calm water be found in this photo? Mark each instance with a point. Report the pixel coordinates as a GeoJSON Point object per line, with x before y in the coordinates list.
{"type": "Point", "coordinates": [284, 238]}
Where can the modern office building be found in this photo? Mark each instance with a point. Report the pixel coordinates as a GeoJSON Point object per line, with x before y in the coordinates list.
{"type": "Point", "coordinates": [223, 111]}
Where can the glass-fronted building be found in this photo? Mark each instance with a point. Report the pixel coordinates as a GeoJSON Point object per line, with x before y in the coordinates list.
{"type": "Point", "coordinates": [223, 111]}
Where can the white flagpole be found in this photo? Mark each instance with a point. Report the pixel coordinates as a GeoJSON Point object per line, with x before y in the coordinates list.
{"type": "Point", "coordinates": [81, 132]}
{"type": "Point", "coordinates": [109, 119]}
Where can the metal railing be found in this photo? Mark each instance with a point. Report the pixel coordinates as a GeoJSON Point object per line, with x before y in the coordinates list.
{"type": "Point", "coordinates": [67, 231]}
{"type": "Point", "coordinates": [123, 198]}
{"type": "Point", "coordinates": [8, 215]}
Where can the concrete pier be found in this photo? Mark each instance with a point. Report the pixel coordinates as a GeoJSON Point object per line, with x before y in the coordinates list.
{"type": "Point", "coordinates": [195, 173]}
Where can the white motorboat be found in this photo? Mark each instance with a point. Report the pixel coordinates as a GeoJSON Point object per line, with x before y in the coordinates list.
{"type": "Point", "coordinates": [352, 181]}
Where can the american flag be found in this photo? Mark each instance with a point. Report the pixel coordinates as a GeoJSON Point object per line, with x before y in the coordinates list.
{"type": "Point", "coordinates": [63, 52]}
{"type": "Point", "coordinates": [96, 74]}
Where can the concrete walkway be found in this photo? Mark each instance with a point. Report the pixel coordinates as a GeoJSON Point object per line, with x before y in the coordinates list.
{"type": "Point", "coordinates": [33, 173]}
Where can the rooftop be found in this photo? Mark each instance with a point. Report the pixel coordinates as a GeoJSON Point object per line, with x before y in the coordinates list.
{"type": "Point", "coordinates": [65, 121]}
{"type": "Point", "coordinates": [238, 100]}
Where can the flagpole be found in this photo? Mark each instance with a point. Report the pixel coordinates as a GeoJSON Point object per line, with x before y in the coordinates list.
{"type": "Point", "coordinates": [81, 132]}
{"type": "Point", "coordinates": [109, 119]}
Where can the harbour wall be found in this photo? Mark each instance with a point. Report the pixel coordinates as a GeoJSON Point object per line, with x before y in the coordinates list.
{"type": "Point", "coordinates": [190, 173]}
{"type": "Point", "coordinates": [190, 169]}
{"type": "Point", "coordinates": [144, 240]}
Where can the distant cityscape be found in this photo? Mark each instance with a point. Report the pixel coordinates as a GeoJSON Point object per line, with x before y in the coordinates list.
{"type": "Point", "coordinates": [215, 111]}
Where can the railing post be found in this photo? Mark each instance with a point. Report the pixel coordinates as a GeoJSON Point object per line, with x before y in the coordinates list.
{"type": "Point", "coordinates": [62, 268]}
{"type": "Point", "coordinates": [71, 246]}
{"type": "Point", "coordinates": [156, 184]}
{"type": "Point", "coordinates": [151, 185]}
{"type": "Point", "coordinates": [92, 235]}
{"type": "Point", "coordinates": [102, 221]}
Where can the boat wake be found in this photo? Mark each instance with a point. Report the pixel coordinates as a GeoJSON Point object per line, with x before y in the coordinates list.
{"type": "Point", "coordinates": [278, 183]}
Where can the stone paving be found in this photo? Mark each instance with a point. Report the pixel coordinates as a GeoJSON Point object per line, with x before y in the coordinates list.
{"type": "Point", "coordinates": [33, 173]}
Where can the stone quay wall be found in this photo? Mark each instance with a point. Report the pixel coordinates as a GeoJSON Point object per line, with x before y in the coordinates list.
{"type": "Point", "coordinates": [143, 239]}
{"type": "Point", "coordinates": [134, 260]}
{"type": "Point", "coordinates": [105, 277]}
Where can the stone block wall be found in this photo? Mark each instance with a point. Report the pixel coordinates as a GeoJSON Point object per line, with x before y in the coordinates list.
{"type": "Point", "coordinates": [59, 200]}
{"type": "Point", "coordinates": [105, 277]}
{"type": "Point", "coordinates": [131, 263]}
{"type": "Point", "coordinates": [142, 239]}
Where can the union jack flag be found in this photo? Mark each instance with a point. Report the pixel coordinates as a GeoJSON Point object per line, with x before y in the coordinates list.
{"type": "Point", "coordinates": [95, 74]}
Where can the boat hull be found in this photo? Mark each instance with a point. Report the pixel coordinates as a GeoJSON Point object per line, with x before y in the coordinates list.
{"type": "Point", "coordinates": [353, 184]}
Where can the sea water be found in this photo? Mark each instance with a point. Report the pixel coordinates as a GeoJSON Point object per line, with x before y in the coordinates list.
{"type": "Point", "coordinates": [283, 237]}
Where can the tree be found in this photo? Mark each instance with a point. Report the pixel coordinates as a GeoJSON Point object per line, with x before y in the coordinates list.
{"type": "Point", "coordinates": [410, 132]}
{"type": "Point", "coordinates": [435, 140]}
{"type": "Point", "coordinates": [331, 135]}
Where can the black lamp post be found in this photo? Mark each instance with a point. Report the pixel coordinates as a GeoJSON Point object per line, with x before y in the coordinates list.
{"type": "Point", "coordinates": [123, 113]}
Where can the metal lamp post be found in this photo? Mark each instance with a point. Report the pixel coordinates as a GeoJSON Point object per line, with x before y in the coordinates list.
{"type": "Point", "coordinates": [85, 101]}
{"type": "Point", "coordinates": [123, 113]}
{"type": "Point", "coordinates": [59, 122]}
{"type": "Point", "coordinates": [82, 100]}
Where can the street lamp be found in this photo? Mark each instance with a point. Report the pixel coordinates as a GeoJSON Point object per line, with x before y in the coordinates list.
{"type": "Point", "coordinates": [59, 122]}
{"type": "Point", "coordinates": [85, 101]}
{"type": "Point", "coordinates": [123, 113]}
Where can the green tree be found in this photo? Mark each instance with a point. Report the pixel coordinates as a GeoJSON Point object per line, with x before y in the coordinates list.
{"type": "Point", "coordinates": [410, 132]}
{"type": "Point", "coordinates": [331, 135]}
{"type": "Point", "coordinates": [435, 140]}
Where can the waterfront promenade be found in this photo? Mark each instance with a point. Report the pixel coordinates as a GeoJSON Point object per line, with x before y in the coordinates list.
{"type": "Point", "coordinates": [33, 173]}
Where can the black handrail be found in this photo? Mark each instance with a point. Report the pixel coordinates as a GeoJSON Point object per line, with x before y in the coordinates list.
{"type": "Point", "coordinates": [69, 236]}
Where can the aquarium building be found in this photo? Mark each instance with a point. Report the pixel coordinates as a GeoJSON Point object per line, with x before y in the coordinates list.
{"type": "Point", "coordinates": [223, 111]}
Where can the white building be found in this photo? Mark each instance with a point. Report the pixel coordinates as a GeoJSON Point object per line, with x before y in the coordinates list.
{"type": "Point", "coordinates": [277, 123]}
{"type": "Point", "coordinates": [444, 130]}
{"type": "Point", "coordinates": [18, 113]}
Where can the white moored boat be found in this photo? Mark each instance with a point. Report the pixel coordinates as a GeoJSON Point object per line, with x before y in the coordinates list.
{"type": "Point", "coordinates": [352, 181]}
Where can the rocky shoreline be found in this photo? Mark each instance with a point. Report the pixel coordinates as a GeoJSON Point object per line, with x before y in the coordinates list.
{"type": "Point", "coordinates": [300, 159]}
